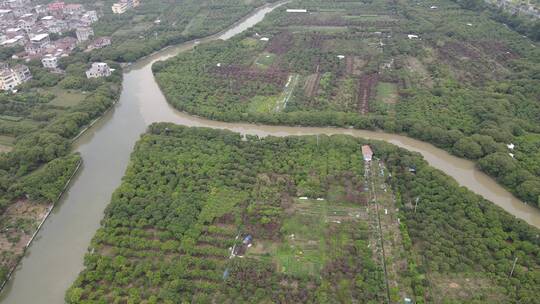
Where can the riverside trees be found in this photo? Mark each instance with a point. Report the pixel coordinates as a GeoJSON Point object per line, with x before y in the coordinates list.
{"type": "Point", "coordinates": [189, 192]}
{"type": "Point", "coordinates": [468, 85]}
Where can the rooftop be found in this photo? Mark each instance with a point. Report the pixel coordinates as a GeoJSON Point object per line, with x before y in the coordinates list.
{"type": "Point", "coordinates": [39, 37]}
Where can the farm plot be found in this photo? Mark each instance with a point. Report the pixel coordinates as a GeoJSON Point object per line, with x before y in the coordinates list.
{"type": "Point", "coordinates": [387, 93]}
{"type": "Point", "coordinates": [66, 98]}
{"type": "Point", "coordinates": [313, 234]}
{"type": "Point", "coordinates": [274, 103]}
{"type": "Point", "coordinates": [366, 85]}
{"type": "Point", "coordinates": [265, 60]}
{"type": "Point", "coordinates": [17, 225]}
{"type": "Point", "coordinates": [6, 143]}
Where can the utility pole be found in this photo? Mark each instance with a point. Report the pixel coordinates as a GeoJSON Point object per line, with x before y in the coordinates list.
{"type": "Point", "coordinates": [416, 203]}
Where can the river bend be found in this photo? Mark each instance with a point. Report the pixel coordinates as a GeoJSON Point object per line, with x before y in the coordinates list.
{"type": "Point", "coordinates": [55, 258]}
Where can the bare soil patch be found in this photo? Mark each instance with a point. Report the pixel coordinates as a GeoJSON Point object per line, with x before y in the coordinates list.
{"type": "Point", "coordinates": [366, 85]}
{"type": "Point", "coordinates": [17, 225]}
{"type": "Point", "coordinates": [354, 65]}
{"type": "Point", "coordinates": [281, 43]}
{"type": "Point", "coordinates": [464, 287]}
{"type": "Point", "coordinates": [311, 85]}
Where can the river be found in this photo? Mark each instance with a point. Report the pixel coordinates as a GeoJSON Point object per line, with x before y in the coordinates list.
{"type": "Point", "coordinates": [55, 258]}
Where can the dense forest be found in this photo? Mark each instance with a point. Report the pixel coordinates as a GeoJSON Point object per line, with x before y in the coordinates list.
{"type": "Point", "coordinates": [210, 216]}
{"type": "Point", "coordinates": [444, 74]}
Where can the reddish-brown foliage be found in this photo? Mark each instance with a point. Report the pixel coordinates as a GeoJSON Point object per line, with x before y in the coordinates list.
{"type": "Point", "coordinates": [281, 43]}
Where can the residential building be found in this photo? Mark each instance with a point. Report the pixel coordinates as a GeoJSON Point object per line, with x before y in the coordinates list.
{"type": "Point", "coordinates": [84, 33]}
{"type": "Point", "coordinates": [48, 21]}
{"type": "Point", "coordinates": [66, 44]}
{"type": "Point", "coordinates": [13, 32]}
{"type": "Point", "coordinates": [40, 40]}
{"type": "Point", "coordinates": [15, 41]}
{"type": "Point", "coordinates": [41, 9]}
{"type": "Point", "coordinates": [122, 6]}
{"type": "Point", "coordinates": [99, 43]}
{"type": "Point", "coordinates": [50, 61]}
{"type": "Point", "coordinates": [99, 69]}
{"type": "Point", "coordinates": [73, 9]}
{"type": "Point", "coordinates": [8, 80]}
{"type": "Point", "coordinates": [22, 73]}
{"type": "Point", "coordinates": [12, 77]}
{"type": "Point", "coordinates": [59, 27]}
{"type": "Point", "coordinates": [367, 153]}
{"type": "Point", "coordinates": [90, 17]}
{"type": "Point", "coordinates": [6, 14]}
{"type": "Point", "coordinates": [119, 8]}
{"type": "Point", "coordinates": [56, 6]}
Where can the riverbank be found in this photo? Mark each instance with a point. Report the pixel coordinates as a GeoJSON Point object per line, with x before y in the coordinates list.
{"type": "Point", "coordinates": [22, 208]}
{"type": "Point", "coordinates": [242, 79]}
{"type": "Point", "coordinates": [105, 149]}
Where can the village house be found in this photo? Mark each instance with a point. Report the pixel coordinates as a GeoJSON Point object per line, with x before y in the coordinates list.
{"type": "Point", "coordinates": [84, 33]}
{"type": "Point", "coordinates": [367, 153]}
{"type": "Point", "coordinates": [99, 69]}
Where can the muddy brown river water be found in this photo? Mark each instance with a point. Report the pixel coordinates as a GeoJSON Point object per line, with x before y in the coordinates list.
{"type": "Point", "coordinates": [55, 257]}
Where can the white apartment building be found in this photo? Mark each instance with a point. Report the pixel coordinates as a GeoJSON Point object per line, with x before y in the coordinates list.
{"type": "Point", "coordinates": [12, 77]}
{"type": "Point", "coordinates": [49, 61]}
{"type": "Point", "coordinates": [99, 69]}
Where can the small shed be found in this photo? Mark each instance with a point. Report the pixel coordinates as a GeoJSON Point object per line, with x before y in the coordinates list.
{"type": "Point", "coordinates": [367, 153]}
{"type": "Point", "coordinates": [291, 10]}
{"type": "Point", "coordinates": [247, 240]}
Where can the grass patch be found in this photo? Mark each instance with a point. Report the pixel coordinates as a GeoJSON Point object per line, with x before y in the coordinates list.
{"type": "Point", "coordinates": [387, 93]}
{"type": "Point", "coordinates": [134, 29]}
{"type": "Point", "coordinates": [312, 235]}
{"type": "Point", "coordinates": [274, 103]}
{"type": "Point", "coordinates": [249, 42]}
{"type": "Point", "coordinates": [11, 118]}
{"type": "Point", "coordinates": [6, 143]}
{"type": "Point", "coordinates": [263, 104]}
{"type": "Point", "coordinates": [367, 18]}
{"type": "Point", "coordinates": [321, 29]}
{"type": "Point", "coordinates": [465, 287]}
{"type": "Point", "coordinates": [265, 60]}
{"type": "Point", "coordinates": [66, 98]}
